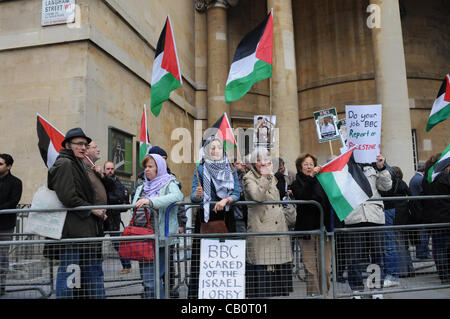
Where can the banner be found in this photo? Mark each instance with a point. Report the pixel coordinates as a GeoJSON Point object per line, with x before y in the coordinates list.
{"type": "Point", "coordinates": [222, 269]}
{"type": "Point", "coordinates": [364, 131]}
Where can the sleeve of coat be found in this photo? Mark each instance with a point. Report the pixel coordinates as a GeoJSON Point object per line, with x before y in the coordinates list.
{"type": "Point", "coordinates": [174, 195]}
{"type": "Point", "coordinates": [384, 180]}
{"type": "Point", "coordinates": [195, 184]}
{"type": "Point", "coordinates": [256, 189]}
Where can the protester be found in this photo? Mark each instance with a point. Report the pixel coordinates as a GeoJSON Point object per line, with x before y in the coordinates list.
{"type": "Point", "coordinates": [438, 211]}
{"type": "Point", "coordinates": [269, 258]}
{"type": "Point", "coordinates": [160, 190]}
{"type": "Point", "coordinates": [397, 259]}
{"type": "Point", "coordinates": [307, 187]}
{"type": "Point", "coordinates": [182, 219]}
{"type": "Point", "coordinates": [10, 194]}
{"type": "Point", "coordinates": [215, 180]}
{"type": "Point", "coordinates": [240, 211]}
{"type": "Point", "coordinates": [367, 246]}
{"type": "Point", "coordinates": [69, 179]}
{"type": "Point", "coordinates": [118, 195]}
{"type": "Point", "coordinates": [284, 177]}
{"type": "Point", "coordinates": [421, 239]}
{"type": "Point", "coordinates": [101, 182]}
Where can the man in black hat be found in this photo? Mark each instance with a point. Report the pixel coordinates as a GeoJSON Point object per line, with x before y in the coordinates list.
{"type": "Point", "coordinates": [10, 193]}
{"type": "Point", "coordinates": [68, 178]}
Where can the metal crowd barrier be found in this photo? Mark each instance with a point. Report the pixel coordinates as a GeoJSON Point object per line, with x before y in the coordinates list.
{"type": "Point", "coordinates": [30, 271]}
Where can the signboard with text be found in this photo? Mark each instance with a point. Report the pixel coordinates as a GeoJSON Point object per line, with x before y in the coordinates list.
{"type": "Point", "coordinates": [57, 12]}
{"type": "Point", "coordinates": [222, 269]}
{"type": "Point", "coordinates": [363, 124]}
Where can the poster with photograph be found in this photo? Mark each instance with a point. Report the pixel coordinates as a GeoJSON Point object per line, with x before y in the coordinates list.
{"type": "Point", "coordinates": [264, 128]}
{"type": "Point", "coordinates": [326, 125]}
{"type": "Point", "coordinates": [342, 127]}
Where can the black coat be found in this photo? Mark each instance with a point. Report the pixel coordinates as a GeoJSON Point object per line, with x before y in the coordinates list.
{"type": "Point", "coordinates": [402, 214]}
{"type": "Point", "coordinates": [308, 215]}
{"type": "Point", "coordinates": [117, 195]}
{"type": "Point", "coordinates": [68, 178]}
{"type": "Point", "coordinates": [10, 194]}
{"type": "Point", "coordinates": [437, 210]}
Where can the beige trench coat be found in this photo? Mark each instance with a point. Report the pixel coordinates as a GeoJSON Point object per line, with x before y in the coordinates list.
{"type": "Point", "coordinates": [265, 250]}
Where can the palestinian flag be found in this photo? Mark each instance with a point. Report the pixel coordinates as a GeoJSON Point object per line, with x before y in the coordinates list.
{"type": "Point", "coordinates": [144, 140]}
{"type": "Point", "coordinates": [166, 74]}
{"type": "Point", "coordinates": [252, 60]}
{"type": "Point", "coordinates": [222, 129]}
{"type": "Point", "coordinates": [345, 184]}
{"type": "Point", "coordinates": [441, 107]}
{"type": "Point", "coordinates": [439, 166]}
{"type": "Point", "coordinates": [50, 140]}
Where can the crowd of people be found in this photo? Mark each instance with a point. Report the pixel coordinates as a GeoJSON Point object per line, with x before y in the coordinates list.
{"type": "Point", "coordinates": [217, 185]}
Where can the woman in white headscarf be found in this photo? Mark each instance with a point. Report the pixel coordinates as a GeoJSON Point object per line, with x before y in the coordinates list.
{"type": "Point", "coordinates": [215, 180]}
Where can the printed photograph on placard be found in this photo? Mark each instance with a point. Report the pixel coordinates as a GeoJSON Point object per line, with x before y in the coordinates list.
{"type": "Point", "coordinates": [326, 125]}
{"type": "Point", "coordinates": [264, 126]}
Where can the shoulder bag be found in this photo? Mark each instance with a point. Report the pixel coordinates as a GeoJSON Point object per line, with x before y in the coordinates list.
{"type": "Point", "coordinates": [137, 250]}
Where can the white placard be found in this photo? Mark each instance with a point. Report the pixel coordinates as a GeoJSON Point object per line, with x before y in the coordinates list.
{"type": "Point", "coordinates": [46, 224]}
{"type": "Point", "coordinates": [364, 130]}
{"type": "Point", "coordinates": [222, 269]}
{"type": "Point", "coordinates": [57, 12]}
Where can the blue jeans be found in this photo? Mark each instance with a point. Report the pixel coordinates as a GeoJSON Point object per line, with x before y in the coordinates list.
{"type": "Point", "coordinates": [80, 273]}
{"type": "Point", "coordinates": [147, 270]}
{"type": "Point", "coordinates": [391, 262]}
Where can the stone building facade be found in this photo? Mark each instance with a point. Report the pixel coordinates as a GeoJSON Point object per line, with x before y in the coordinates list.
{"type": "Point", "coordinates": [96, 73]}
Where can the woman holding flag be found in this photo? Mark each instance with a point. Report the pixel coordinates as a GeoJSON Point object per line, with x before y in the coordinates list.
{"type": "Point", "coordinates": [215, 180]}
{"type": "Point", "coordinates": [307, 187]}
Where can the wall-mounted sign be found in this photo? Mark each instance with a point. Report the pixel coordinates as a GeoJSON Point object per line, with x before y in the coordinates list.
{"type": "Point", "coordinates": [120, 151]}
{"type": "Point", "coordinates": [57, 12]}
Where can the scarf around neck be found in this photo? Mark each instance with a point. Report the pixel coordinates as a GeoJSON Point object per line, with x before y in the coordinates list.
{"type": "Point", "coordinates": [221, 175]}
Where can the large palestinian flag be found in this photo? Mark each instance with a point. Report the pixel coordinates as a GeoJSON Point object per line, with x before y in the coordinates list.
{"type": "Point", "coordinates": [166, 74]}
{"type": "Point", "coordinates": [439, 166]}
{"type": "Point", "coordinates": [144, 140]}
{"type": "Point", "coordinates": [252, 60]}
{"type": "Point", "coordinates": [441, 107]}
{"type": "Point", "coordinates": [345, 184]}
{"type": "Point", "coordinates": [50, 140]}
{"type": "Point", "coordinates": [222, 129]}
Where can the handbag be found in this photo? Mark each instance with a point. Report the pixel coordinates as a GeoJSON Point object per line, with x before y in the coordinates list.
{"type": "Point", "coordinates": [138, 250]}
{"type": "Point", "coordinates": [213, 227]}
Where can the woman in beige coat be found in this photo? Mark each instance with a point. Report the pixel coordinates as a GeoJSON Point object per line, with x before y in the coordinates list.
{"type": "Point", "coordinates": [268, 257]}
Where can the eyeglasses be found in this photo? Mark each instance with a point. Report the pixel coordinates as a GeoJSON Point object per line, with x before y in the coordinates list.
{"type": "Point", "coordinates": [80, 144]}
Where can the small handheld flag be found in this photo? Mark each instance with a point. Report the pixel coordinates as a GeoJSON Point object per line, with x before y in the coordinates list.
{"type": "Point", "coordinates": [144, 140]}
{"type": "Point", "coordinates": [50, 139]}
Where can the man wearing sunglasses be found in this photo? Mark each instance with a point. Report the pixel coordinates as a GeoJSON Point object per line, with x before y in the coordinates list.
{"type": "Point", "coordinates": [69, 179]}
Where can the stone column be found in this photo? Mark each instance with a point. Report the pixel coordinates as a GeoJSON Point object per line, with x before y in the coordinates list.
{"type": "Point", "coordinates": [218, 67]}
{"type": "Point", "coordinates": [392, 87]}
{"type": "Point", "coordinates": [284, 98]}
